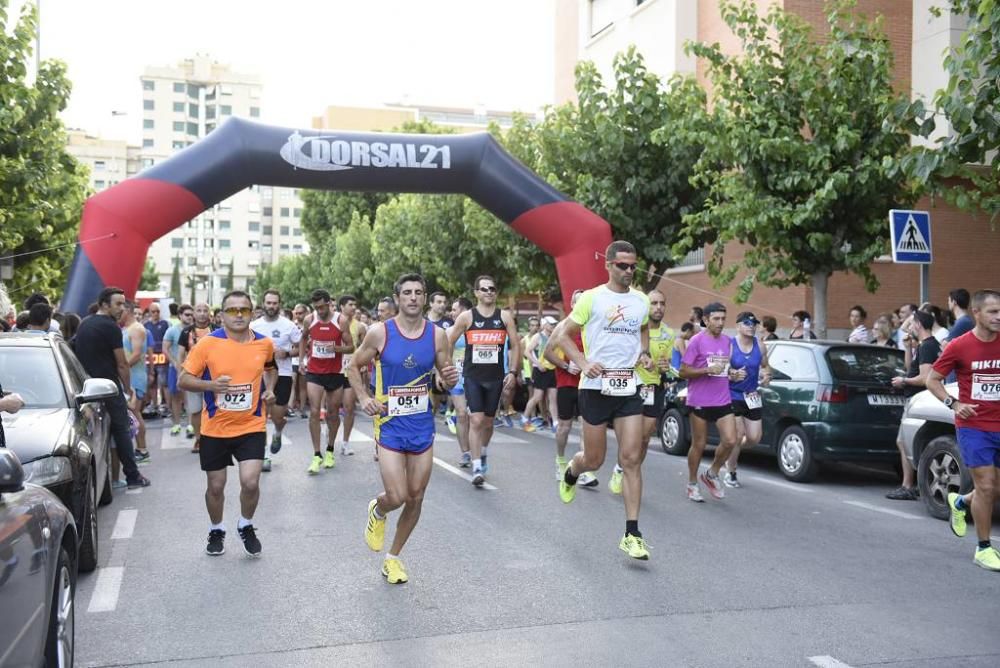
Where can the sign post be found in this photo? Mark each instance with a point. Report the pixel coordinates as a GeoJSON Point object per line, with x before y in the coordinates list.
{"type": "Point", "coordinates": [910, 232]}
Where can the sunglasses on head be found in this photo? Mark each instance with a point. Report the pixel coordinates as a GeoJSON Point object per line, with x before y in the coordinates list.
{"type": "Point", "coordinates": [488, 288]}
{"type": "Point", "coordinates": [750, 323]}
{"type": "Point", "coordinates": [234, 311]}
{"type": "Point", "coordinates": [625, 266]}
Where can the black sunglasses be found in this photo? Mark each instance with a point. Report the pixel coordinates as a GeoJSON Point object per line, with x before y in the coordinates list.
{"type": "Point", "coordinates": [625, 266]}
{"type": "Point", "coordinates": [490, 288]}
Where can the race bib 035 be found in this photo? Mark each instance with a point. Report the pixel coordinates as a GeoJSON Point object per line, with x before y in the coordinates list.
{"type": "Point", "coordinates": [618, 382]}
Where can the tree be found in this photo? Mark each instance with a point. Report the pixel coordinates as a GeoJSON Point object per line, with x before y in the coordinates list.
{"type": "Point", "coordinates": [797, 167]}
{"type": "Point", "coordinates": [228, 281]}
{"type": "Point", "coordinates": [192, 285]}
{"type": "Point", "coordinates": [599, 151]}
{"type": "Point", "coordinates": [42, 188]}
{"type": "Point", "coordinates": [964, 166]}
{"type": "Point", "coordinates": [175, 279]}
{"type": "Point", "coordinates": [150, 279]}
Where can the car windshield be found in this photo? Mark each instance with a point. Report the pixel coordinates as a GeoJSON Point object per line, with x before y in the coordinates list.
{"type": "Point", "coordinates": [32, 373]}
{"type": "Point", "coordinates": [866, 363]}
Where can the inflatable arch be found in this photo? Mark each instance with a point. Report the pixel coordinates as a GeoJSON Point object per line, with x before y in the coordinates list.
{"type": "Point", "coordinates": [134, 213]}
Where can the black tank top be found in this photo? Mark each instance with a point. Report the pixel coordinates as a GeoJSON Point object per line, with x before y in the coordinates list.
{"type": "Point", "coordinates": [484, 347]}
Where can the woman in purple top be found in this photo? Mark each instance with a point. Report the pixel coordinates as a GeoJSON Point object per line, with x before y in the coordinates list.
{"type": "Point", "coordinates": [705, 365]}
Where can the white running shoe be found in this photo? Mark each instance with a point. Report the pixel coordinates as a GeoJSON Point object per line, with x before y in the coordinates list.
{"type": "Point", "coordinates": [346, 449]}
{"type": "Point", "coordinates": [694, 493]}
{"type": "Point", "coordinates": [587, 479]}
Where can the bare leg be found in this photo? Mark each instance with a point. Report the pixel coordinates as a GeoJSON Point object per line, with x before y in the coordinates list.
{"type": "Point", "coordinates": [316, 397]}
{"type": "Point", "coordinates": [334, 400]}
{"type": "Point", "coordinates": [462, 419]}
{"type": "Point", "coordinates": [418, 474]}
{"type": "Point", "coordinates": [985, 479]}
{"type": "Point", "coordinates": [249, 486]}
{"type": "Point", "coordinates": [215, 495]}
{"type": "Point", "coordinates": [699, 437]}
{"type": "Point", "coordinates": [595, 448]}
{"type": "Point", "coordinates": [727, 441]}
{"type": "Point", "coordinates": [350, 401]}
{"type": "Point", "coordinates": [631, 454]}
{"type": "Point", "coordinates": [529, 410]}
{"type": "Point", "coordinates": [480, 433]}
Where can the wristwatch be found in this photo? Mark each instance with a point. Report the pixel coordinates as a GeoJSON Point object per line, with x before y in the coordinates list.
{"type": "Point", "coordinates": [949, 401]}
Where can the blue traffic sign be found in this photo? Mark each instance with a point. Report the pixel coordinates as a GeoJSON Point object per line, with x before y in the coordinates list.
{"type": "Point", "coordinates": [910, 232]}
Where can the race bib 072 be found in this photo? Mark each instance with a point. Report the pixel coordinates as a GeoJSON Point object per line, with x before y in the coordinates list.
{"type": "Point", "coordinates": [237, 398]}
{"type": "Point", "coordinates": [618, 382]}
{"type": "Point", "coordinates": [404, 400]}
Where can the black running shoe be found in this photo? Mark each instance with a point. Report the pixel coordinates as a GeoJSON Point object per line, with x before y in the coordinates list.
{"type": "Point", "coordinates": [141, 457]}
{"type": "Point", "coordinates": [216, 542]}
{"type": "Point", "coordinates": [250, 543]}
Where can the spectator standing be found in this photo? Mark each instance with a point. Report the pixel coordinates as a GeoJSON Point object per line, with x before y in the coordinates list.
{"type": "Point", "coordinates": [882, 334]}
{"type": "Point", "coordinates": [39, 298]}
{"type": "Point", "coordinates": [172, 351]}
{"type": "Point", "coordinates": [71, 323]}
{"type": "Point", "coordinates": [697, 318]}
{"type": "Point", "coordinates": [770, 325]}
{"type": "Point", "coordinates": [801, 326]}
{"type": "Point", "coordinates": [40, 319]}
{"type": "Point", "coordinates": [859, 332]}
{"type": "Point", "coordinates": [905, 311]}
{"type": "Point", "coordinates": [958, 304]}
{"type": "Point", "coordinates": [100, 350]}
{"type": "Point", "coordinates": [190, 336]}
{"type": "Point", "coordinates": [940, 330]}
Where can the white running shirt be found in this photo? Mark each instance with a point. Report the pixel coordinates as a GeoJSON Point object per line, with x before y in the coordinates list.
{"type": "Point", "coordinates": [284, 333]}
{"type": "Point", "coordinates": [611, 323]}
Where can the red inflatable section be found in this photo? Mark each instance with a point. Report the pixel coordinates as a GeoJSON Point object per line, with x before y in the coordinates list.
{"type": "Point", "coordinates": [138, 212]}
{"type": "Point", "coordinates": [575, 237]}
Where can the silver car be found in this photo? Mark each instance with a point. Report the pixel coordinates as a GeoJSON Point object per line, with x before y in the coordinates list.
{"type": "Point", "coordinates": [929, 442]}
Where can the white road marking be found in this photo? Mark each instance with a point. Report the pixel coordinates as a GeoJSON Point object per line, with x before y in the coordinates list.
{"type": "Point", "coordinates": [137, 490]}
{"type": "Point", "coordinates": [357, 436]}
{"type": "Point", "coordinates": [460, 473]}
{"type": "Point", "coordinates": [179, 442]}
{"type": "Point", "coordinates": [887, 511]}
{"type": "Point", "coordinates": [125, 524]}
{"type": "Point", "coordinates": [778, 483]}
{"type": "Point", "coordinates": [105, 596]}
{"type": "Point", "coordinates": [828, 662]}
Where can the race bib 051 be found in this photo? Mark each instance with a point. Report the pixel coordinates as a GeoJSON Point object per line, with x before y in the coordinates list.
{"type": "Point", "coordinates": [405, 400]}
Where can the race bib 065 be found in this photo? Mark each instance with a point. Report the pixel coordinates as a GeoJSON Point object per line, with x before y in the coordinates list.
{"type": "Point", "coordinates": [482, 354]}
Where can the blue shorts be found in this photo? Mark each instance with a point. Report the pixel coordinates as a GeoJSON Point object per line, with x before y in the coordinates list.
{"type": "Point", "coordinates": [409, 446]}
{"type": "Point", "coordinates": [459, 389]}
{"type": "Point", "coordinates": [172, 380]}
{"type": "Point", "coordinates": [978, 447]}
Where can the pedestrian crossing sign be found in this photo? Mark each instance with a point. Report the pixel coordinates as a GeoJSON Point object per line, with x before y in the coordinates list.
{"type": "Point", "coordinates": [911, 236]}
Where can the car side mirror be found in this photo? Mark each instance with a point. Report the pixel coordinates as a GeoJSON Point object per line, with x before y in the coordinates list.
{"type": "Point", "coordinates": [96, 389]}
{"type": "Point", "coordinates": [11, 473]}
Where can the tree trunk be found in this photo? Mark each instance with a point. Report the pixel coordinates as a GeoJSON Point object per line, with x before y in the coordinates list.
{"type": "Point", "coordinates": [820, 280]}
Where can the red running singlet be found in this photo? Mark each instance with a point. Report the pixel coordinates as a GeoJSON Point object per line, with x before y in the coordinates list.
{"type": "Point", "coordinates": [323, 336]}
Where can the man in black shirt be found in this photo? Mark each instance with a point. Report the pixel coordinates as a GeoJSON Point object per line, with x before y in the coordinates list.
{"type": "Point", "coordinates": [918, 366]}
{"type": "Point", "coordinates": [100, 349]}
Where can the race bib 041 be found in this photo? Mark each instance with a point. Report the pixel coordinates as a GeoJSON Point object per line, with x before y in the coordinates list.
{"type": "Point", "coordinates": [618, 382]}
{"type": "Point", "coordinates": [404, 400]}
{"type": "Point", "coordinates": [237, 398]}
{"type": "Point", "coordinates": [986, 386]}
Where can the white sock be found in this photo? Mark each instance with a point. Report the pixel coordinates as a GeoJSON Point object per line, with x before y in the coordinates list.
{"type": "Point", "coordinates": [220, 527]}
{"type": "Point", "coordinates": [618, 469]}
{"type": "Point", "coordinates": [378, 515]}
{"type": "Point", "coordinates": [244, 522]}
{"type": "Point", "coordinates": [391, 556]}
{"type": "Point", "coordinates": [477, 464]}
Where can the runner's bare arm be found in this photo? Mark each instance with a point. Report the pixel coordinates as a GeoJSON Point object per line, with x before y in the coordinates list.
{"type": "Point", "coordinates": [531, 347]}
{"type": "Point", "coordinates": [551, 352]}
{"type": "Point", "coordinates": [348, 346]}
{"type": "Point", "coordinates": [645, 359]}
{"type": "Point", "coordinates": [462, 323]}
{"type": "Point", "coordinates": [563, 336]}
{"type": "Point", "coordinates": [447, 372]}
{"type": "Point", "coordinates": [363, 356]}
{"type": "Point", "coordinates": [514, 359]}
{"type": "Point", "coordinates": [136, 337]}
{"type": "Point", "coordinates": [304, 344]}
{"type": "Point", "coordinates": [765, 367]}
{"type": "Point", "coordinates": [270, 381]}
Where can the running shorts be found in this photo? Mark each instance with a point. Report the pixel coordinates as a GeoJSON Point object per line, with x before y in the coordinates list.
{"type": "Point", "coordinates": [217, 453]}
{"type": "Point", "coordinates": [740, 409]}
{"type": "Point", "coordinates": [655, 410]}
{"type": "Point", "coordinates": [713, 413]}
{"type": "Point", "coordinates": [483, 397]}
{"type": "Point", "coordinates": [283, 390]}
{"type": "Point", "coordinates": [597, 408]}
{"type": "Point", "coordinates": [568, 403]}
{"type": "Point", "coordinates": [544, 380]}
{"type": "Point", "coordinates": [331, 382]}
{"type": "Point", "coordinates": [978, 447]}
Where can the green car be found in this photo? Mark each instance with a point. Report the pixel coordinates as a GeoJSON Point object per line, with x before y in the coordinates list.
{"type": "Point", "coordinates": [827, 401]}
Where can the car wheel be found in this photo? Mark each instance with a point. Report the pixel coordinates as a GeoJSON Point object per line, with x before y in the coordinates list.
{"type": "Point", "coordinates": [61, 638]}
{"type": "Point", "coordinates": [940, 471]}
{"type": "Point", "coordinates": [795, 456]}
{"type": "Point", "coordinates": [674, 437]}
{"type": "Point", "coordinates": [88, 544]}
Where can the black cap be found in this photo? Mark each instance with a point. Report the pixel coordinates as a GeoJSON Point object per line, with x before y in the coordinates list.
{"type": "Point", "coordinates": [714, 307]}
{"type": "Point", "coordinates": [747, 316]}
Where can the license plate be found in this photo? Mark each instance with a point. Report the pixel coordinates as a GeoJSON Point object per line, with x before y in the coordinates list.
{"type": "Point", "coordinates": [886, 400]}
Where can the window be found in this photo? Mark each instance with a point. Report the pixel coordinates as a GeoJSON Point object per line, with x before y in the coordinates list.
{"type": "Point", "coordinates": [177, 145]}
{"type": "Point", "coordinates": [209, 243]}
{"type": "Point", "coordinates": [147, 143]}
{"type": "Point", "coordinates": [253, 244]}
{"type": "Point", "coordinates": [297, 232]}
{"type": "Point", "coordinates": [792, 363]}
{"type": "Point", "coordinates": [179, 106]}
{"type": "Point", "coordinates": [148, 85]}
{"type": "Point", "coordinates": [267, 249]}
{"type": "Point", "coordinates": [865, 364]}
{"type": "Point", "coordinates": [297, 213]}
{"type": "Point", "coordinates": [193, 90]}
{"type": "Point", "coordinates": [267, 192]}
{"type": "Point", "coordinates": [147, 162]}
{"type": "Point", "coordinates": [99, 184]}
{"type": "Point", "coordinates": [147, 124]}
{"type": "Point", "coordinates": [225, 110]}
{"type": "Point", "coordinates": [253, 226]}
{"type": "Point", "coordinates": [179, 87]}
{"type": "Point", "coordinates": [148, 105]}
{"type": "Point", "coordinates": [209, 113]}
{"type": "Point", "coordinates": [224, 225]}
{"type": "Point", "coordinates": [254, 112]}
{"type": "Point", "coordinates": [178, 126]}
{"type": "Point", "coordinates": [192, 129]}
{"type": "Point", "coordinates": [284, 247]}
{"type": "Point", "coordinates": [601, 15]}
{"type": "Point", "coordinates": [284, 230]}
{"type": "Point", "coordinates": [192, 261]}
{"type": "Point", "coordinates": [192, 243]}
{"type": "Point", "coordinates": [99, 165]}
{"type": "Point", "coordinates": [177, 242]}
{"type": "Point", "coordinates": [297, 248]}
{"type": "Point", "coordinates": [209, 127]}
{"type": "Point", "coordinates": [210, 95]}
{"type": "Point", "coordinates": [224, 244]}
{"type": "Point", "coordinates": [695, 258]}
{"type": "Point", "coordinates": [284, 212]}
{"type": "Point", "coordinates": [268, 211]}
{"type": "Point", "coordinates": [193, 110]}
{"type": "Point", "coordinates": [267, 229]}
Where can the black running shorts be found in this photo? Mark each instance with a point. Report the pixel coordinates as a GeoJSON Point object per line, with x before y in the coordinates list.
{"type": "Point", "coordinates": [740, 409]}
{"type": "Point", "coordinates": [217, 453]}
{"type": "Point", "coordinates": [656, 410]}
{"type": "Point", "coordinates": [713, 413]}
{"type": "Point", "coordinates": [568, 403]}
{"type": "Point", "coordinates": [543, 380]}
{"type": "Point", "coordinates": [283, 390]}
{"type": "Point", "coordinates": [483, 396]}
{"type": "Point", "coordinates": [597, 408]}
{"type": "Point", "coordinates": [331, 382]}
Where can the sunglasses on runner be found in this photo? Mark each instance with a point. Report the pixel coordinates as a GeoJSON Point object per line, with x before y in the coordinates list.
{"type": "Point", "coordinates": [488, 288]}
{"type": "Point", "coordinates": [749, 323]}
{"type": "Point", "coordinates": [234, 311]}
{"type": "Point", "coordinates": [625, 266]}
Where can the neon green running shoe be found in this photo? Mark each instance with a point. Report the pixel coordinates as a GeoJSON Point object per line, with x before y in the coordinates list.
{"type": "Point", "coordinates": [615, 484]}
{"type": "Point", "coordinates": [988, 558]}
{"type": "Point", "coordinates": [566, 492]}
{"type": "Point", "coordinates": [317, 461]}
{"type": "Point", "coordinates": [374, 529]}
{"type": "Point", "coordinates": [635, 547]}
{"type": "Point", "coordinates": [956, 517]}
{"type": "Point", "coordinates": [329, 461]}
{"type": "Point", "coordinates": [175, 430]}
{"type": "Point", "coordinates": [394, 572]}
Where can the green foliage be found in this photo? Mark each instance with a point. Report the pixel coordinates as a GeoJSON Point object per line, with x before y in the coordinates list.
{"type": "Point", "coordinates": [964, 165]}
{"type": "Point", "coordinates": [627, 152]}
{"type": "Point", "coordinates": [797, 167]}
{"type": "Point", "coordinates": [150, 279]}
{"type": "Point", "coordinates": [42, 188]}
{"type": "Point", "coordinates": [175, 280]}
{"type": "Point", "coordinates": [227, 282]}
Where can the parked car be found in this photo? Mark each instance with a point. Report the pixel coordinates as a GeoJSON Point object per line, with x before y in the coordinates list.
{"type": "Point", "coordinates": [38, 566]}
{"type": "Point", "coordinates": [62, 433]}
{"type": "Point", "coordinates": [827, 401]}
{"type": "Point", "coordinates": [930, 445]}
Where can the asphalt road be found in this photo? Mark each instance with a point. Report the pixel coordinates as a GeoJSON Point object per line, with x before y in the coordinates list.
{"type": "Point", "coordinates": [776, 574]}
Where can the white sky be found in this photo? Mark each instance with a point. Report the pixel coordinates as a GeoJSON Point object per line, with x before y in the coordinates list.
{"type": "Point", "coordinates": [310, 54]}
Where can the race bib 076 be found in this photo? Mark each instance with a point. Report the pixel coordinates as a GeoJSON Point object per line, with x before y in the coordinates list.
{"type": "Point", "coordinates": [404, 400]}
{"type": "Point", "coordinates": [237, 398]}
{"type": "Point", "coordinates": [618, 382]}
{"type": "Point", "coordinates": [986, 387]}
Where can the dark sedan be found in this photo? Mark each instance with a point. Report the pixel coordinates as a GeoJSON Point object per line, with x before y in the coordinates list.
{"type": "Point", "coordinates": [62, 434]}
{"type": "Point", "coordinates": [827, 401]}
{"type": "Point", "coordinates": [38, 565]}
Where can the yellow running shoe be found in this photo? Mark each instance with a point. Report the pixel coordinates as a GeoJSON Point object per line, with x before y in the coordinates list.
{"type": "Point", "coordinates": [393, 571]}
{"type": "Point", "coordinates": [634, 546]}
{"type": "Point", "coordinates": [566, 492]}
{"type": "Point", "coordinates": [987, 558]}
{"type": "Point", "coordinates": [375, 529]}
{"type": "Point", "coordinates": [615, 484]}
{"type": "Point", "coordinates": [956, 517]}
{"type": "Point", "coordinates": [317, 461]}
{"type": "Point", "coordinates": [328, 460]}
